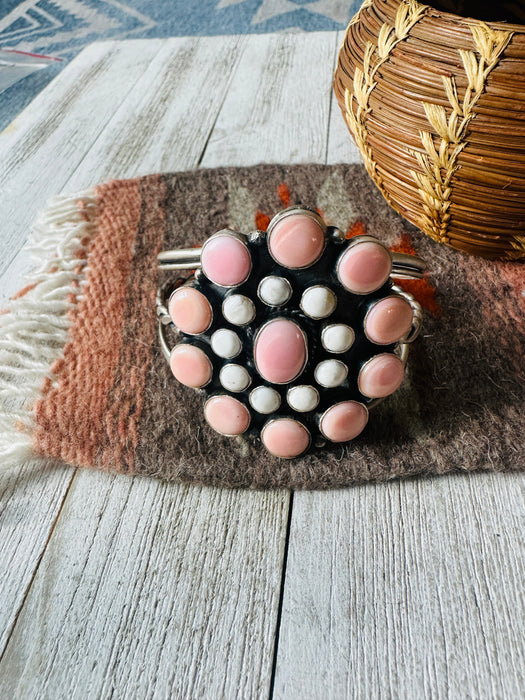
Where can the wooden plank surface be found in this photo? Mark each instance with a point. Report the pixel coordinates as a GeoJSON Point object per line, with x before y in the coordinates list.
{"type": "Point", "coordinates": [412, 589]}
{"type": "Point", "coordinates": [31, 496]}
{"type": "Point", "coordinates": [42, 148]}
{"type": "Point", "coordinates": [150, 131]}
{"type": "Point", "coordinates": [283, 84]}
{"type": "Point", "coordinates": [114, 587]}
{"type": "Point", "coordinates": [243, 624]}
{"type": "Point", "coordinates": [39, 152]}
{"type": "Point", "coordinates": [150, 590]}
{"type": "Point", "coordinates": [21, 555]}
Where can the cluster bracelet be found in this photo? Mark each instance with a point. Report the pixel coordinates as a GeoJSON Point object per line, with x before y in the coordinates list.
{"type": "Point", "coordinates": [292, 334]}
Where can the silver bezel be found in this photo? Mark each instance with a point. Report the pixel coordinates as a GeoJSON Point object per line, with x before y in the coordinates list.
{"type": "Point", "coordinates": [333, 325]}
{"type": "Point", "coordinates": [318, 286]}
{"type": "Point", "coordinates": [233, 322]}
{"type": "Point", "coordinates": [417, 311]}
{"type": "Point", "coordinates": [190, 286]}
{"type": "Point", "coordinates": [215, 429]}
{"type": "Point", "coordinates": [224, 357]}
{"type": "Point", "coordinates": [263, 386]}
{"type": "Point", "coordinates": [305, 338]}
{"type": "Point", "coordinates": [294, 211]}
{"type": "Point", "coordinates": [353, 242]}
{"type": "Point", "coordinates": [373, 305]}
{"type": "Point", "coordinates": [273, 420]}
{"type": "Point", "coordinates": [280, 277]}
{"type": "Point", "coordinates": [301, 386]}
{"type": "Point", "coordinates": [227, 388]}
{"type": "Point", "coordinates": [402, 356]}
{"type": "Point", "coordinates": [223, 233]}
{"type": "Point", "coordinates": [341, 442]}
{"type": "Point", "coordinates": [197, 388]}
{"type": "Point", "coordinates": [331, 386]}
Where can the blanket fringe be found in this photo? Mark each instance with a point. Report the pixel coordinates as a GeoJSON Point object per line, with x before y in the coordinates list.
{"type": "Point", "coordinates": [35, 323]}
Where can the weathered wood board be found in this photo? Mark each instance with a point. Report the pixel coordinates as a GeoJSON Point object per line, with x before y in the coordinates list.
{"type": "Point", "coordinates": [112, 587]}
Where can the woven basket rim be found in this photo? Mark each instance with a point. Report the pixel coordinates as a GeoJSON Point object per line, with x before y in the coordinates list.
{"type": "Point", "coordinates": [453, 17]}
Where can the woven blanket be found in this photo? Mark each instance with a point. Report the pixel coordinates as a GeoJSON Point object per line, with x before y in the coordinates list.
{"type": "Point", "coordinates": [83, 379]}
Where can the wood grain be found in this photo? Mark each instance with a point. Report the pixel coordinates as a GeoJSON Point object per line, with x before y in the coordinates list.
{"type": "Point", "coordinates": [112, 587]}
{"type": "Point", "coordinates": [150, 590]}
{"type": "Point", "coordinates": [166, 122]}
{"type": "Point", "coordinates": [31, 496]}
{"type": "Point", "coordinates": [46, 143]}
{"type": "Point", "coordinates": [163, 124]}
{"type": "Point", "coordinates": [219, 622]}
{"type": "Point", "coordinates": [282, 88]}
{"type": "Point", "coordinates": [412, 589]}
{"type": "Point", "coordinates": [37, 507]}
{"type": "Point", "coordinates": [39, 151]}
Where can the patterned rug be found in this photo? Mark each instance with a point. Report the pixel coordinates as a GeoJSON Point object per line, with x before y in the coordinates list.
{"type": "Point", "coordinates": [61, 28]}
{"type": "Point", "coordinates": [82, 377]}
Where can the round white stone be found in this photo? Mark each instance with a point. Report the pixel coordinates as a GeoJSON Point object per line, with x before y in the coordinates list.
{"type": "Point", "coordinates": [330, 373]}
{"type": "Point", "coordinates": [318, 302]}
{"type": "Point", "coordinates": [265, 400]}
{"type": "Point", "coordinates": [338, 337]}
{"type": "Point", "coordinates": [234, 377]}
{"type": "Point", "coordinates": [275, 291]}
{"type": "Point", "coordinates": [238, 309]}
{"type": "Point", "coordinates": [302, 398]}
{"type": "Point", "coordinates": [226, 343]}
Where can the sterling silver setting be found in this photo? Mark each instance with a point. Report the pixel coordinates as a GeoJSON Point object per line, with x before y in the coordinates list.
{"type": "Point", "coordinates": [304, 399]}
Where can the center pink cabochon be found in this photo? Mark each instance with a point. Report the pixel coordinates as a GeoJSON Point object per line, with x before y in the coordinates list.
{"type": "Point", "coordinates": [280, 351]}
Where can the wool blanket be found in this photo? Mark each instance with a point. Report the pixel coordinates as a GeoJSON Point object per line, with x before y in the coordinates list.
{"type": "Point", "coordinates": [82, 377]}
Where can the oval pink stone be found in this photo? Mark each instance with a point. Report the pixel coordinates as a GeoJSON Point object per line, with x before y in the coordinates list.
{"type": "Point", "coordinates": [190, 311]}
{"type": "Point", "coordinates": [285, 437]}
{"type": "Point", "coordinates": [388, 320]}
{"type": "Point", "coordinates": [227, 415]}
{"type": "Point", "coordinates": [381, 376]}
{"type": "Point", "coordinates": [344, 421]}
{"type": "Point", "coordinates": [364, 267]}
{"type": "Point", "coordinates": [296, 241]}
{"type": "Point", "coordinates": [190, 365]}
{"type": "Point", "coordinates": [226, 260]}
{"type": "Point", "coordinates": [280, 351]}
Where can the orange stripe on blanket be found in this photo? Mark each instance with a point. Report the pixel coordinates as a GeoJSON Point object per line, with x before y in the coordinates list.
{"type": "Point", "coordinates": [261, 221]}
{"type": "Point", "coordinates": [284, 194]}
{"type": "Point", "coordinates": [70, 416]}
{"type": "Point", "coordinates": [126, 399]}
{"type": "Point", "coordinates": [422, 290]}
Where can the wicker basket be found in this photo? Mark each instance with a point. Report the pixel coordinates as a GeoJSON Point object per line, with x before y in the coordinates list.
{"type": "Point", "coordinates": [436, 104]}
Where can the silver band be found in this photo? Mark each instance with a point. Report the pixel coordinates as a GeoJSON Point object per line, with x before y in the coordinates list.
{"type": "Point", "coordinates": [404, 266]}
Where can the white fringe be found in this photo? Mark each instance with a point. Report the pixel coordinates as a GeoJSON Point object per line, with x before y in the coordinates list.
{"type": "Point", "coordinates": [34, 331]}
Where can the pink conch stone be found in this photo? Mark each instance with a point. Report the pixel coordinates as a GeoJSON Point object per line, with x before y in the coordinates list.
{"type": "Point", "coordinates": [226, 415]}
{"type": "Point", "coordinates": [190, 365]}
{"type": "Point", "coordinates": [285, 438]}
{"type": "Point", "coordinates": [226, 260]}
{"type": "Point", "coordinates": [364, 267]}
{"type": "Point", "coordinates": [344, 421]}
{"type": "Point", "coordinates": [280, 351]}
{"type": "Point", "coordinates": [381, 376]}
{"type": "Point", "coordinates": [190, 311]}
{"type": "Point", "coordinates": [296, 241]}
{"type": "Point", "coordinates": [388, 320]}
